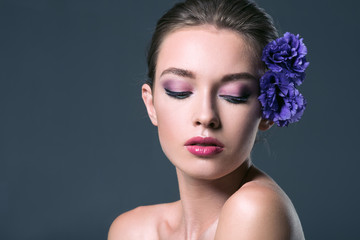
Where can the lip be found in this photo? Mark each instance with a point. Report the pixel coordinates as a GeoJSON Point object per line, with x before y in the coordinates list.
{"type": "Point", "coordinates": [204, 146]}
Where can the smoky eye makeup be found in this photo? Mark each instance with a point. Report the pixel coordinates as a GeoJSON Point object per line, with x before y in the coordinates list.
{"type": "Point", "coordinates": [177, 89]}
{"type": "Point", "coordinates": [178, 95]}
{"type": "Point", "coordinates": [236, 92]}
{"type": "Point", "coordinates": [235, 99]}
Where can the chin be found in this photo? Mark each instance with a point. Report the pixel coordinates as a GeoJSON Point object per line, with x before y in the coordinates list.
{"type": "Point", "coordinates": [206, 169]}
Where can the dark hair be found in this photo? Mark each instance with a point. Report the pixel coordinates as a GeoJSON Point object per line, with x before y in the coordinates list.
{"type": "Point", "coordinates": [242, 16]}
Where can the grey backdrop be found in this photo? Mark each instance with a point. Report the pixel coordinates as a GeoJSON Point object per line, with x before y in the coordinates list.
{"type": "Point", "coordinates": [77, 148]}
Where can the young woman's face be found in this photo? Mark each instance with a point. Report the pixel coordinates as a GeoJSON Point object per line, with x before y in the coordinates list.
{"type": "Point", "coordinates": [204, 100]}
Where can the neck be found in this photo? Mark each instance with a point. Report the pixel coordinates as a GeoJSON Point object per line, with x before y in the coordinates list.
{"type": "Point", "coordinates": [202, 200]}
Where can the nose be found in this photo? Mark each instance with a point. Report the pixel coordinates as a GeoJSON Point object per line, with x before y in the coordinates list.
{"type": "Point", "coordinates": [206, 113]}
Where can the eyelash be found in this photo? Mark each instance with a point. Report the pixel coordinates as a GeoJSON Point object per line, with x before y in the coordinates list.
{"type": "Point", "coordinates": [235, 100]}
{"type": "Point", "coordinates": [229, 98]}
{"type": "Point", "coordinates": [178, 95]}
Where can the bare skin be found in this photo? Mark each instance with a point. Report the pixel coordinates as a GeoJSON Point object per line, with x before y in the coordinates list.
{"type": "Point", "coordinates": [222, 196]}
{"type": "Point", "coordinates": [258, 210]}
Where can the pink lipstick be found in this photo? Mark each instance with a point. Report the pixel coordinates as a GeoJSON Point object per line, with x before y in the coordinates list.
{"type": "Point", "coordinates": [204, 147]}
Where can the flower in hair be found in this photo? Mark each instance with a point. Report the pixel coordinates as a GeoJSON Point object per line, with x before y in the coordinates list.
{"type": "Point", "coordinates": [285, 58]}
{"type": "Point", "coordinates": [282, 102]}
{"type": "Point", "coordinates": [287, 55]}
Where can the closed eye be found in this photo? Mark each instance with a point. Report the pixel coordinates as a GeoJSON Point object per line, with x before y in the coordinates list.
{"type": "Point", "coordinates": [235, 99]}
{"type": "Point", "coordinates": [178, 95]}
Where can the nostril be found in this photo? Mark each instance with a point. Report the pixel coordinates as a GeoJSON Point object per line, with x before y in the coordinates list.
{"type": "Point", "coordinates": [207, 121]}
{"type": "Point", "coordinates": [212, 124]}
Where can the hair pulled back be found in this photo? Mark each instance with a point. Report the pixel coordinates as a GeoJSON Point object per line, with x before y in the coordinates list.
{"type": "Point", "coordinates": [242, 16]}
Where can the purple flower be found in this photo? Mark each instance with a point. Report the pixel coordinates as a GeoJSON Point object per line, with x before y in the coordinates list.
{"type": "Point", "coordinates": [281, 101]}
{"type": "Point", "coordinates": [287, 55]}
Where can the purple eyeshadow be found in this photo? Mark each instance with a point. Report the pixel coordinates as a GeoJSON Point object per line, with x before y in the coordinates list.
{"type": "Point", "coordinates": [176, 85]}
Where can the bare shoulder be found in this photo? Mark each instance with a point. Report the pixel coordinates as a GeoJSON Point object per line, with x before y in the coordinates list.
{"type": "Point", "coordinates": [259, 210]}
{"type": "Point", "coordinates": [133, 224]}
{"type": "Point", "coordinates": [139, 223]}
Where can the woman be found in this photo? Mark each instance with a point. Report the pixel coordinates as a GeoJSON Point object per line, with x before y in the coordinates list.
{"type": "Point", "coordinates": [203, 95]}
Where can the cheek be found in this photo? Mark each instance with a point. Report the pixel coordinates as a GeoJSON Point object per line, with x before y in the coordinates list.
{"type": "Point", "coordinates": [253, 119]}
{"type": "Point", "coordinates": [169, 123]}
{"type": "Point", "coordinates": [243, 122]}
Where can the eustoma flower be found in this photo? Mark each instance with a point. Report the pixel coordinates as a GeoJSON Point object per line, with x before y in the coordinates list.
{"type": "Point", "coordinates": [281, 101]}
{"type": "Point", "coordinates": [287, 55]}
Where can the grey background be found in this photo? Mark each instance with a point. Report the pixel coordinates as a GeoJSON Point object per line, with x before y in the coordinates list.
{"type": "Point", "coordinates": [77, 149]}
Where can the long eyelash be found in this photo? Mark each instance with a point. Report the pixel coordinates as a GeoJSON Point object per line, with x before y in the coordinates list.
{"type": "Point", "coordinates": [235, 100]}
{"type": "Point", "coordinates": [178, 95]}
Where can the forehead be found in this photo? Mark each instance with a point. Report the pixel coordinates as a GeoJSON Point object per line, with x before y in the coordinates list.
{"type": "Point", "coordinates": [207, 50]}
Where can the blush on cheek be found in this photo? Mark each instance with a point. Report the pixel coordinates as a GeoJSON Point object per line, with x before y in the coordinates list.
{"type": "Point", "coordinates": [176, 85]}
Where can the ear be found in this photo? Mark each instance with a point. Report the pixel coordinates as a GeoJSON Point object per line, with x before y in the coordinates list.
{"type": "Point", "coordinates": [147, 97]}
{"type": "Point", "coordinates": [265, 124]}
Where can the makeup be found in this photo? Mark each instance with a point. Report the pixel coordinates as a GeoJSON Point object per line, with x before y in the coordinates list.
{"type": "Point", "coordinates": [204, 147]}
{"type": "Point", "coordinates": [176, 85]}
{"type": "Point", "coordinates": [235, 88]}
{"type": "Point", "coordinates": [235, 92]}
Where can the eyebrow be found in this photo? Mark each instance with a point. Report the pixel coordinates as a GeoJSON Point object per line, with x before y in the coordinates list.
{"type": "Point", "coordinates": [179, 72]}
{"type": "Point", "coordinates": [238, 76]}
{"type": "Point", "coordinates": [227, 78]}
